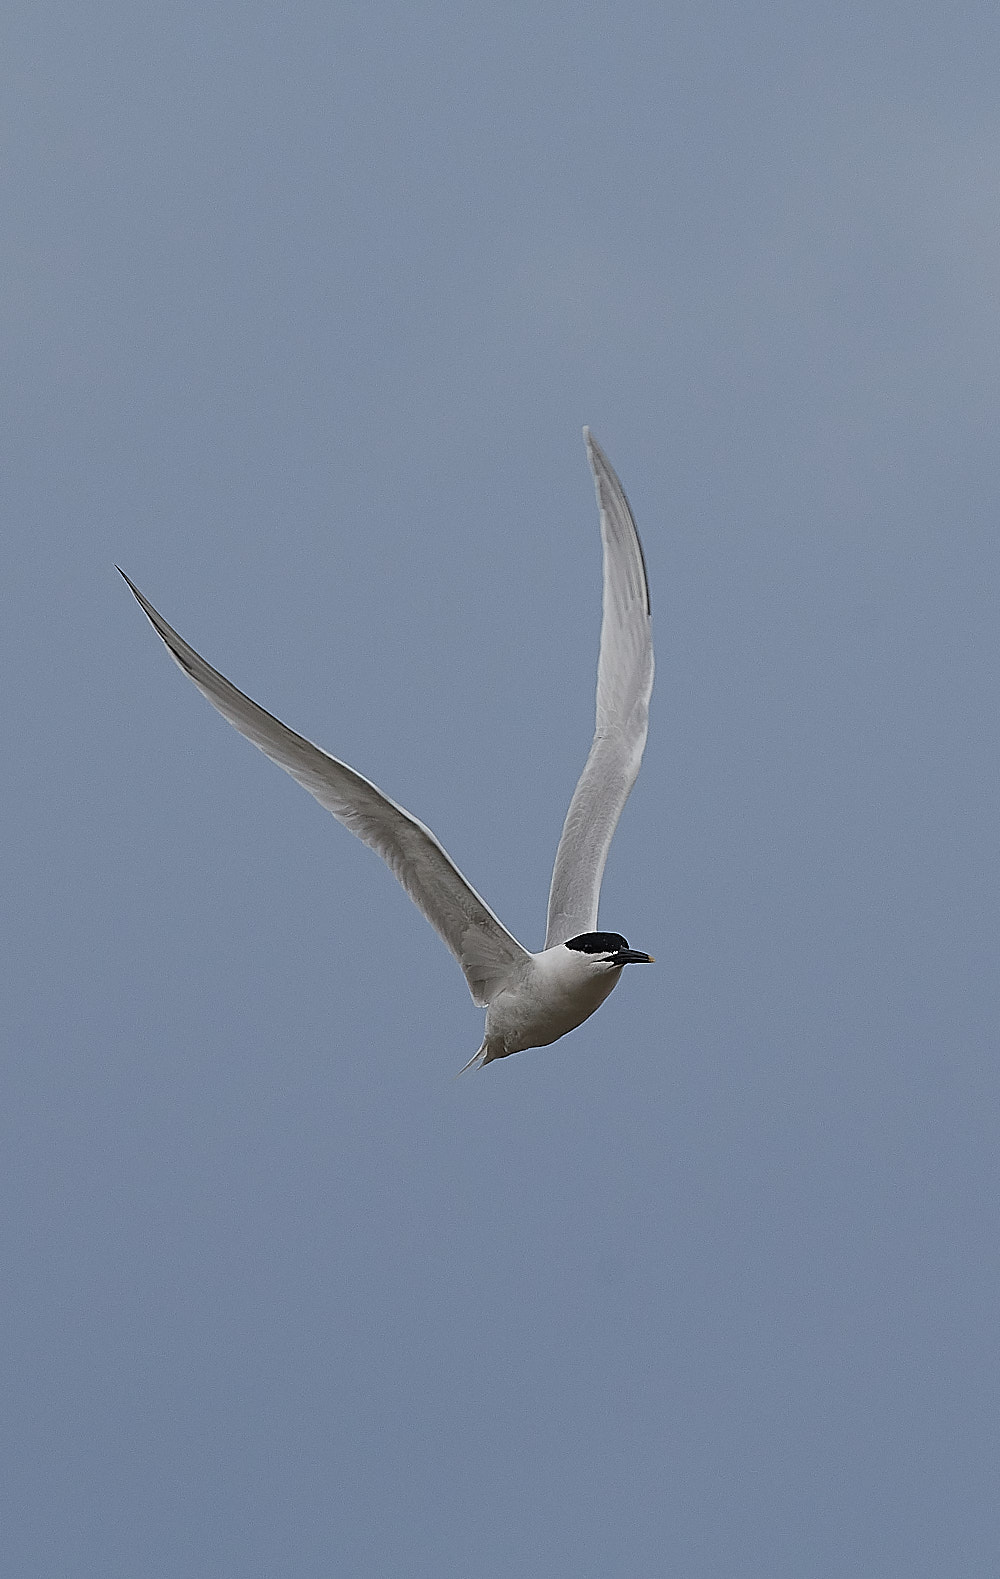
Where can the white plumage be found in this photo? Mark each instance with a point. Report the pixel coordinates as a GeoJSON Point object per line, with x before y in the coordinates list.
{"type": "Point", "coordinates": [530, 999]}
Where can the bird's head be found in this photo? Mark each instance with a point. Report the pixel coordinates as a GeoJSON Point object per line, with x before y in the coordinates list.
{"type": "Point", "coordinates": [608, 949]}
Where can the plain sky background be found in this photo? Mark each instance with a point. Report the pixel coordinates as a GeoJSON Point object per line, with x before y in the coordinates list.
{"type": "Point", "coordinates": [303, 309]}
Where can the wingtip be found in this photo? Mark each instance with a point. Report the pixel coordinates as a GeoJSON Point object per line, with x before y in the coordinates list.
{"type": "Point", "coordinates": [156, 620]}
{"type": "Point", "coordinates": [599, 462]}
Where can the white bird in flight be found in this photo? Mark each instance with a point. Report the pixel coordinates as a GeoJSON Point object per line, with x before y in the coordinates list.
{"type": "Point", "coordinates": [530, 999]}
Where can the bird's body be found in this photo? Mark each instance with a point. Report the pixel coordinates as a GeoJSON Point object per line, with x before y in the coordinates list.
{"type": "Point", "coordinates": [552, 993]}
{"type": "Point", "coordinates": [531, 999]}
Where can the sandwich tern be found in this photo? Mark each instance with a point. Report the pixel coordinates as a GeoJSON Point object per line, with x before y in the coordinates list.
{"type": "Point", "coordinates": [530, 999]}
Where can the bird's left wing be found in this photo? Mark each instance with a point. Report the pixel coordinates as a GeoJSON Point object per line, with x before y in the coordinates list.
{"type": "Point", "coordinates": [624, 685]}
{"type": "Point", "coordinates": [486, 951]}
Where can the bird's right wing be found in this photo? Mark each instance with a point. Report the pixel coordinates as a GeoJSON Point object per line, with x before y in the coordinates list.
{"type": "Point", "coordinates": [486, 951]}
{"type": "Point", "coordinates": [624, 685]}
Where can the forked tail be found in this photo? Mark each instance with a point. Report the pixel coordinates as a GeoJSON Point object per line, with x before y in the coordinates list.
{"type": "Point", "coordinates": [478, 1058]}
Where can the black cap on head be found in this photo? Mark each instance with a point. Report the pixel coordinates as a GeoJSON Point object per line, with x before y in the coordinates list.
{"type": "Point", "coordinates": [598, 942]}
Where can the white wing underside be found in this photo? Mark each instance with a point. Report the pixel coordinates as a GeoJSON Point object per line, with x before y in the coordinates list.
{"type": "Point", "coordinates": [486, 951]}
{"type": "Point", "coordinates": [624, 685]}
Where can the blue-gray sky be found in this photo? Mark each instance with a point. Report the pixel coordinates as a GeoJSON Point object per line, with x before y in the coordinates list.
{"type": "Point", "coordinates": [303, 310]}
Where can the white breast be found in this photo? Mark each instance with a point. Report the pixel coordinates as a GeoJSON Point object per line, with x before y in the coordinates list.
{"type": "Point", "coordinates": [560, 988]}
